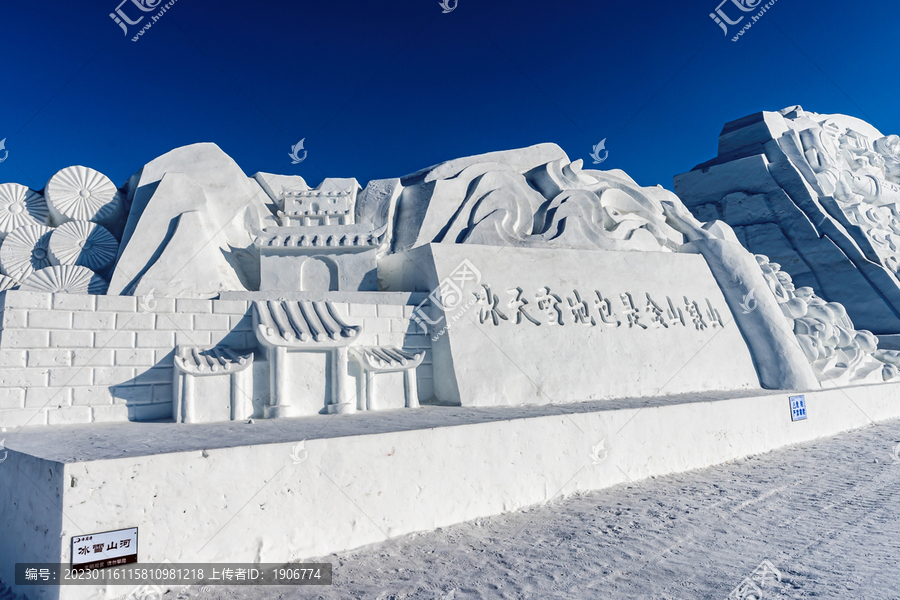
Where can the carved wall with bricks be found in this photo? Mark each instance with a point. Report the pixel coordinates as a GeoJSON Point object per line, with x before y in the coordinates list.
{"type": "Point", "coordinates": [73, 358]}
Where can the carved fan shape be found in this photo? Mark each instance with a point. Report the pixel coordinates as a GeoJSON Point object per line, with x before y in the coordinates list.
{"type": "Point", "coordinates": [70, 279]}
{"type": "Point", "coordinates": [25, 251]}
{"type": "Point", "coordinates": [20, 206]}
{"type": "Point", "coordinates": [8, 283]}
{"type": "Point", "coordinates": [83, 243]}
{"type": "Point", "coordinates": [83, 194]}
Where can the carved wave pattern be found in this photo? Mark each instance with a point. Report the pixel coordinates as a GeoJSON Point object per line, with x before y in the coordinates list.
{"type": "Point", "coordinates": [825, 332]}
{"type": "Point", "coordinates": [576, 210]}
{"type": "Point", "coordinates": [882, 227]}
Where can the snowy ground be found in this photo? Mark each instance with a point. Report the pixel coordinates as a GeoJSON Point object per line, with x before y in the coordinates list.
{"type": "Point", "coordinates": [825, 514]}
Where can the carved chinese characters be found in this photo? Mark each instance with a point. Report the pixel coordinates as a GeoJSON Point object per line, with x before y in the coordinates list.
{"type": "Point", "coordinates": [545, 326]}
{"type": "Point", "coordinates": [632, 311]}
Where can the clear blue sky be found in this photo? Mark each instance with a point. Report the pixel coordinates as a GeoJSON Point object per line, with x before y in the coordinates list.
{"type": "Point", "coordinates": [381, 89]}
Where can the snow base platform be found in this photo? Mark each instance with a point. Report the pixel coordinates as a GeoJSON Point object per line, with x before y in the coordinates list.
{"type": "Point", "coordinates": [287, 490]}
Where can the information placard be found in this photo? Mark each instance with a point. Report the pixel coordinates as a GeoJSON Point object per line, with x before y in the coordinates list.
{"type": "Point", "coordinates": [108, 549]}
{"type": "Point", "coordinates": [798, 408]}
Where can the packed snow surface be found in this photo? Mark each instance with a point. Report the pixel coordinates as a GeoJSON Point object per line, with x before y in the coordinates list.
{"type": "Point", "coordinates": [824, 514]}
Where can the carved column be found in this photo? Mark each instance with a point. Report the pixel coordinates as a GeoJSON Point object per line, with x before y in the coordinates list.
{"type": "Point", "coordinates": [241, 395]}
{"type": "Point", "coordinates": [279, 401]}
{"type": "Point", "coordinates": [187, 398]}
{"type": "Point", "coordinates": [340, 395]}
{"type": "Point", "coordinates": [411, 387]}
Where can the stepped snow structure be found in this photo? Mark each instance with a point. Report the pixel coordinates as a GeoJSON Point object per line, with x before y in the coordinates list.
{"type": "Point", "coordinates": [816, 193]}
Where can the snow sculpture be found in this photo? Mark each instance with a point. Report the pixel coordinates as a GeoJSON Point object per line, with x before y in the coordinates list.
{"type": "Point", "coordinates": [20, 206]}
{"type": "Point", "coordinates": [276, 185]}
{"type": "Point", "coordinates": [69, 279]}
{"type": "Point", "coordinates": [81, 193]}
{"type": "Point", "coordinates": [25, 250]}
{"type": "Point", "coordinates": [553, 204]}
{"type": "Point", "coordinates": [198, 398]}
{"type": "Point", "coordinates": [78, 196]}
{"type": "Point", "coordinates": [319, 246]}
{"type": "Point", "coordinates": [189, 231]}
{"type": "Point", "coordinates": [427, 288]}
{"type": "Point", "coordinates": [838, 352]}
{"type": "Point", "coordinates": [779, 359]}
{"type": "Point", "coordinates": [83, 243]}
{"type": "Point", "coordinates": [819, 195]}
{"type": "Point", "coordinates": [8, 283]}
{"type": "Point", "coordinates": [373, 360]}
{"type": "Point", "coordinates": [536, 197]}
{"type": "Point", "coordinates": [309, 327]}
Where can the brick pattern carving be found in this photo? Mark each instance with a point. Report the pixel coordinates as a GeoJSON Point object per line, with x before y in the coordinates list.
{"type": "Point", "coordinates": [72, 358]}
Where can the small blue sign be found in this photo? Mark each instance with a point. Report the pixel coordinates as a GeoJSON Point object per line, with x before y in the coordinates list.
{"type": "Point", "coordinates": [798, 408]}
